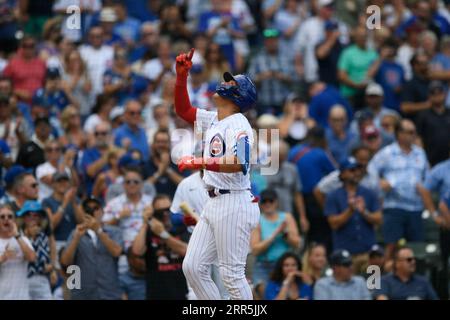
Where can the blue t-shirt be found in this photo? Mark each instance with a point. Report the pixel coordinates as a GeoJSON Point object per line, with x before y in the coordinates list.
{"type": "Point", "coordinates": [89, 157]}
{"type": "Point", "coordinates": [416, 288]}
{"type": "Point", "coordinates": [6, 151]}
{"type": "Point", "coordinates": [136, 87]}
{"type": "Point", "coordinates": [211, 19]}
{"type": "Point", "coordinates": [128, 29]}
{"type": "Point", "coordinates": [139, 10]}
{"type": "Point", "coordinates": [391, 75]}
{"type": "Point", "coordinates": [321, 104]}
{"type": "Point", "coordinates": [312, 165]}
{"type": "Point", "coordinates": [138, 139]}
{"type": "Point", "coordinates": [273, 288]}
{"type": "Point", "coordinates": [356, 235]}
{"type": "Point", "coordinates": [68, 221]}
{"type": "Point", "coordinates": [340, 149]}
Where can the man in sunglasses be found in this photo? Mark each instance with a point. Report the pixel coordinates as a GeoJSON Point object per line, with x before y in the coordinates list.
{"type": "Point", "coordinates": [94, 247]}
{"type": "Point", "coordinates": [15, 253]}
{"type": "Point", "coordinates": [403, 283]}
{"type": "Point", "coordinates": [353, 212]}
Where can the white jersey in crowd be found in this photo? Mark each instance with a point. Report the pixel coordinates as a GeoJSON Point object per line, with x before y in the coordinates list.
{"type": "Point", "coordinates": [220, 140]}
{"type": "Point", "coordinates": [191, 190]}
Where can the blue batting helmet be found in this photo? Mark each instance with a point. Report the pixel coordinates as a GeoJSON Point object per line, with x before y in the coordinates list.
{"type": "Point", "coordinates": [243, 94]}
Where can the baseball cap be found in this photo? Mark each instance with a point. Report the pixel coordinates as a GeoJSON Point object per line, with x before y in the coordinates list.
{"type": "Point", "coordinates": [271, 33]}
{"type": "Point", "coordinates": [348, 164]}
{"type": "Point", "coordinates": [14, 172]}
{"type": "Point", "coordinates": [268, 194]}
{"type": "Point", "coordinates": [31, 206]}
{"type": "Point", "coordinates": [363, 115]}
{"type": "Point", "coordinates": [108, 15]}
{"type": "Point", "coordinates": [58, 176]}
{"type": "Point", "coordinates": [89, 200]}
{"type": "Point", "coordinates": [374, 89]}
{"type": "Point", "coordinates": [370, 132]}
{"type": "Point", "coordinates": [341, 258]}
{"type": "Point", "coordinates": [117, 111]}
{"type": "Point", "coordinates": [52, 73]}
{"type": "Point", "coordinates": [324, 3]}
{"type": "Point", "coordinates": [436, 85]}
{"type": "Point", "coordinates": [267, 121]}
{"type": "Point", "coordinates": [376, 250]}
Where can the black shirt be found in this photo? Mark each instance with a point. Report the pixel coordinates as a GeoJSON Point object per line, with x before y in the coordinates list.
{"type": "Point", "coordinates": [165, 279]}
{"type": "Point", "coordinates": [164, 185]}
{"type": "Point", "coordinates": [30, 155]}
{"type": "Point", "coordinates": [434, 129]}
{"type": "Point", "coordinates": [415, 90]}
{"type": "Point", "coordinates": [328, 65]}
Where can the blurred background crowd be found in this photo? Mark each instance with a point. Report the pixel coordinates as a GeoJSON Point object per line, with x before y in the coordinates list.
{"type": "Point", "coordinates": [86, 145]}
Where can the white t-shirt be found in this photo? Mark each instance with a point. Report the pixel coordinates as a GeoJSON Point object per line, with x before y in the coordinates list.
{"type": "Point", "coordinates": [191, 190]}
{"type": "Point", "coordinates": [13, 273]}
{"type": "Point", "coordinates": [97, 61]}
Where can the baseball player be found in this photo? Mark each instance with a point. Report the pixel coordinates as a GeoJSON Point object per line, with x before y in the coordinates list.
{"type": "Point", "coordinates": [231, 211]}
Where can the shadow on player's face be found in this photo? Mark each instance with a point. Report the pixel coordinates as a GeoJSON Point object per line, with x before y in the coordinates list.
{"type": "Point", "coordinates": [229, 83]}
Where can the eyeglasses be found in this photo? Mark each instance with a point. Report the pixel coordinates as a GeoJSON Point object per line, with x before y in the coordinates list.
{"type": "Point", "coordinates": [409, 259]}
{"type": "Point", "coordinates": [131, 181]}
{"type": "Point", "coordinates": [101, 133]}
{"type": "Point", "coordinates": [134, 113]}
{"type": "Point", "coordinates": [32, 214]}
{"type": "Point", "coordinates": [53, 149]}
{"type": "Point", "coordinates": [6, 217]}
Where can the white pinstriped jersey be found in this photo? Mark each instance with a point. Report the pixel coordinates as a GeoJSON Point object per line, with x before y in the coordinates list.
{"type": "Point", "coordinates": [220, 140]}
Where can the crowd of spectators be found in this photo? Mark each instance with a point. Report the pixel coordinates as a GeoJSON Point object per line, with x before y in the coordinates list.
{"type": "Point", "coordinates": [89, 143]}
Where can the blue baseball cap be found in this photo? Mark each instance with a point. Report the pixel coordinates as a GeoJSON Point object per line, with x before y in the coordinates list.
{"type": "Point", "coordinates": [14, 172]}
{"type": "Point", "coordinates": [331, 25]}
{"type": "Point", "coordinates": [341, 258]}
{"type": "Point", "coordinates": [52, 73]}
{"type": "Point", "coordinates": [349, 163]}
{"type": "Point", "coordinates": [30, 206]}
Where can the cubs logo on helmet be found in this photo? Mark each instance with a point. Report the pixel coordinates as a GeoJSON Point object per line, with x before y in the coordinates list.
{"type": "Point", "coordinates": [243, 94]}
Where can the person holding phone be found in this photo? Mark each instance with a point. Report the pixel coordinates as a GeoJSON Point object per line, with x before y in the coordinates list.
{"type": "Point", "coordinates": [95, 248]}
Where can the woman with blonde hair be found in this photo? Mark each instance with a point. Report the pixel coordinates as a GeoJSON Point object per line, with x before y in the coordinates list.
{"type": "Point", "coordinates": [73, 132]}
{"type": "Point", "coordinates": [76, 81]}
{"type": "Point", "coordinates": [314, 261]}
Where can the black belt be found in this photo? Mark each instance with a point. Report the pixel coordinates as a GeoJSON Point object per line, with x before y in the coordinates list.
{"type": "Point", "coordinates": [216, 192]}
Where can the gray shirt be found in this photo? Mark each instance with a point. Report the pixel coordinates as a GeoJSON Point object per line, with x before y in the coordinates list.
{"type": "Point", "coordinates": [286, 183]}
{"type": "Point", "coordinates": [329, 289]}
{"type": "Point", "coordinates": [98, 269]}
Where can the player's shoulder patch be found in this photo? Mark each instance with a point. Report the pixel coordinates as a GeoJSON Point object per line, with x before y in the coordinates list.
{"type": "Point", "coordinates": [217, 146]}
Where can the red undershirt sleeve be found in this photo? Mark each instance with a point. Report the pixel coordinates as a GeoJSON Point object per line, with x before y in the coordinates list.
{"type": "Point", "coordinates": [183, 106]}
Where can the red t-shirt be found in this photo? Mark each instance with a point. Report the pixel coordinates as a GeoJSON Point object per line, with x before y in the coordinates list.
{"type": "Point", "coordinates": [26, 75]}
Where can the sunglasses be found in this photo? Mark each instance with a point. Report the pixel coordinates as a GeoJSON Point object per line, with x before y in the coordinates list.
{"type": "Point", "coordinates": [409, 259]}
{"type": "Point", "coordinates": [101, 133]}
{"type": "Point", "coordinates": [136, 182]}
{"type": "Point", "coordinates": [53, 149]}
{"type": "Point", "coordinates": [134, 113]}
{"type": "Point", "coordinates": [34, 185]}
{"type": "Point", "coordinates": [267, 201]}
{"type": "Point", "coordinates": [6, 217]}
{"type": "Point", "coordinates": [33, 214]}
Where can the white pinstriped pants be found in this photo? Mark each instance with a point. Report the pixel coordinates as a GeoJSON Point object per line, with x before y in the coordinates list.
{"type": "Point", "coordinates": [223, 233]}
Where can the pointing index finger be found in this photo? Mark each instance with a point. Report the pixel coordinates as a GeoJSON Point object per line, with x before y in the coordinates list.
{"type": "Point", "coordinates": [191, 54]}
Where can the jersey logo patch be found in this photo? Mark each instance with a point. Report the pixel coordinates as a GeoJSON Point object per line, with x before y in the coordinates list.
{"type": "Point", "coordinates": [216, 146]}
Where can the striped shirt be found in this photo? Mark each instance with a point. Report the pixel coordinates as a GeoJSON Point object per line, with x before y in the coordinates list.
{"type": "Point", "coordinates": [403, 172]}
{"type": "Point", "coordinates": [272, 92]}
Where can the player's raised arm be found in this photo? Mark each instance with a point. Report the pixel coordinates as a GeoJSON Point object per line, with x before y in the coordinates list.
{"type": "Point", "coordinates": [183, 106]}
